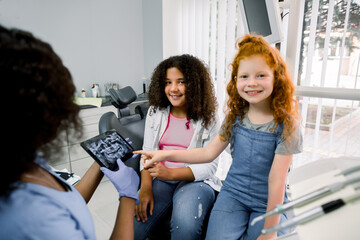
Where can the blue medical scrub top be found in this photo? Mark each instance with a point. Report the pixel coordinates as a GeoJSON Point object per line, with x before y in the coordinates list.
{"type": "Point", "coordinates": [33, 211]}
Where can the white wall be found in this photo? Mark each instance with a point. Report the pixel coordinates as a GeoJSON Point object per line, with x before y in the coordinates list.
{"type": "Point", "coordinates": [171, 23]}
{"type": "Point", "coordinates": [99, 41]}
{"type": "Point", "coordinates": [153, 35]}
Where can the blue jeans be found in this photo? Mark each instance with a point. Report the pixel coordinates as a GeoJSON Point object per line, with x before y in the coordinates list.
{"type": "Point", "coordinates": [231, 218]}
{"type": "Point", "coordinates": [244, 193]}
{"type": "Point", "coordinates": [189, 203]}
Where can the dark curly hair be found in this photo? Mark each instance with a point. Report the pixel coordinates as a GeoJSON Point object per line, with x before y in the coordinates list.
{"type": "Point", "coordinates": [39, 106]}
{"type": "Point", "coordinates": [199, 87]}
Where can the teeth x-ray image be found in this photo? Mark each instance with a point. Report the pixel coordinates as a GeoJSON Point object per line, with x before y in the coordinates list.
{"type": "Point", "coordinates": [107, 148]}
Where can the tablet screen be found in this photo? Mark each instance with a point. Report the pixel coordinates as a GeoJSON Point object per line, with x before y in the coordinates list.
{"type": "Point", "coordinates": [106, 148]}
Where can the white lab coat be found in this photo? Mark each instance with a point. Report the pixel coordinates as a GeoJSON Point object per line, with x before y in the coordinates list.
{"type": "Point", "coordinates": [155, 127]}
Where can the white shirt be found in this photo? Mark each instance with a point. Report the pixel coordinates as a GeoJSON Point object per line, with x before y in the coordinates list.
{"type": "Point", "coordinates": [155, 127]}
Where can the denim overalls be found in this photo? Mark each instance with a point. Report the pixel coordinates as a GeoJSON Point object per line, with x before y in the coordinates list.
{"type": "Point", "coordinates": [245, 191]}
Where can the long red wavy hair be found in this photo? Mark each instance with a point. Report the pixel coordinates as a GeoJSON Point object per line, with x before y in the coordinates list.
{"type": "Point", "coordinates": [283, 104]}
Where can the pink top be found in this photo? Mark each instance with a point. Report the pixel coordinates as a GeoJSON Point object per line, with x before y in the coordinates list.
{"type": "Point", "coordinates": [177, 136]}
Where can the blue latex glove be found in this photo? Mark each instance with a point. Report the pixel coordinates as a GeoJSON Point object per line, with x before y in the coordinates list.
{"type": "Point", "coordinates": [125, 180]}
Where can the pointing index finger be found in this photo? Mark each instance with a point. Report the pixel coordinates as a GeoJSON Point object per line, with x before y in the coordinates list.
{"type": "Point", "coordinates": [139, 152]}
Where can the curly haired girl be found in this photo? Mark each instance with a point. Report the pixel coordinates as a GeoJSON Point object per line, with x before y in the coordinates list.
{"type": "Point", "coordinates": [262, 127]}
{"type": "Point", "coordinates": [182, 116]}
{"type": "Point", "coordinates": [199, 89]}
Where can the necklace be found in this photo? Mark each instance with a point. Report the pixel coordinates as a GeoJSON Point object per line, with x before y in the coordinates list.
{"type": "Point", "coordinates": [48, 181]}
{"type": "Point", "coordinates": [187, 124]}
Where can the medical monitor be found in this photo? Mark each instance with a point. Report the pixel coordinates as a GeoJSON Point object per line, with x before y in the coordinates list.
{"type": "Point", "coordinates": [261, 17]}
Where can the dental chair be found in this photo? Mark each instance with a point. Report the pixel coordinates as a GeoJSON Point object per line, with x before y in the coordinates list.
{"type": "Point", "coordinates": [131, 126]}
{"type": "Point", "coordinates": [121, 99]}
{"type": "Point", "coordinates": [109, 121]}
{"type": "Point", "coordinates": [126, 124]}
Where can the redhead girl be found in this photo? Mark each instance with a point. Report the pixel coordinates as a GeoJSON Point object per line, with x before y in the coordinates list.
{"type": "Point", "coordinates": [262, 127]}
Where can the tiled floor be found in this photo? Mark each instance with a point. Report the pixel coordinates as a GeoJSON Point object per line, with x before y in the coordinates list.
{"type": "Point", "coordinates": [103, 208]}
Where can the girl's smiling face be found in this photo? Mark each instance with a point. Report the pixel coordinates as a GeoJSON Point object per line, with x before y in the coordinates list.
{"type": "Point", "coordinates": [175, 88]}
{"type": "Point", "coordinates": [255, 80]}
